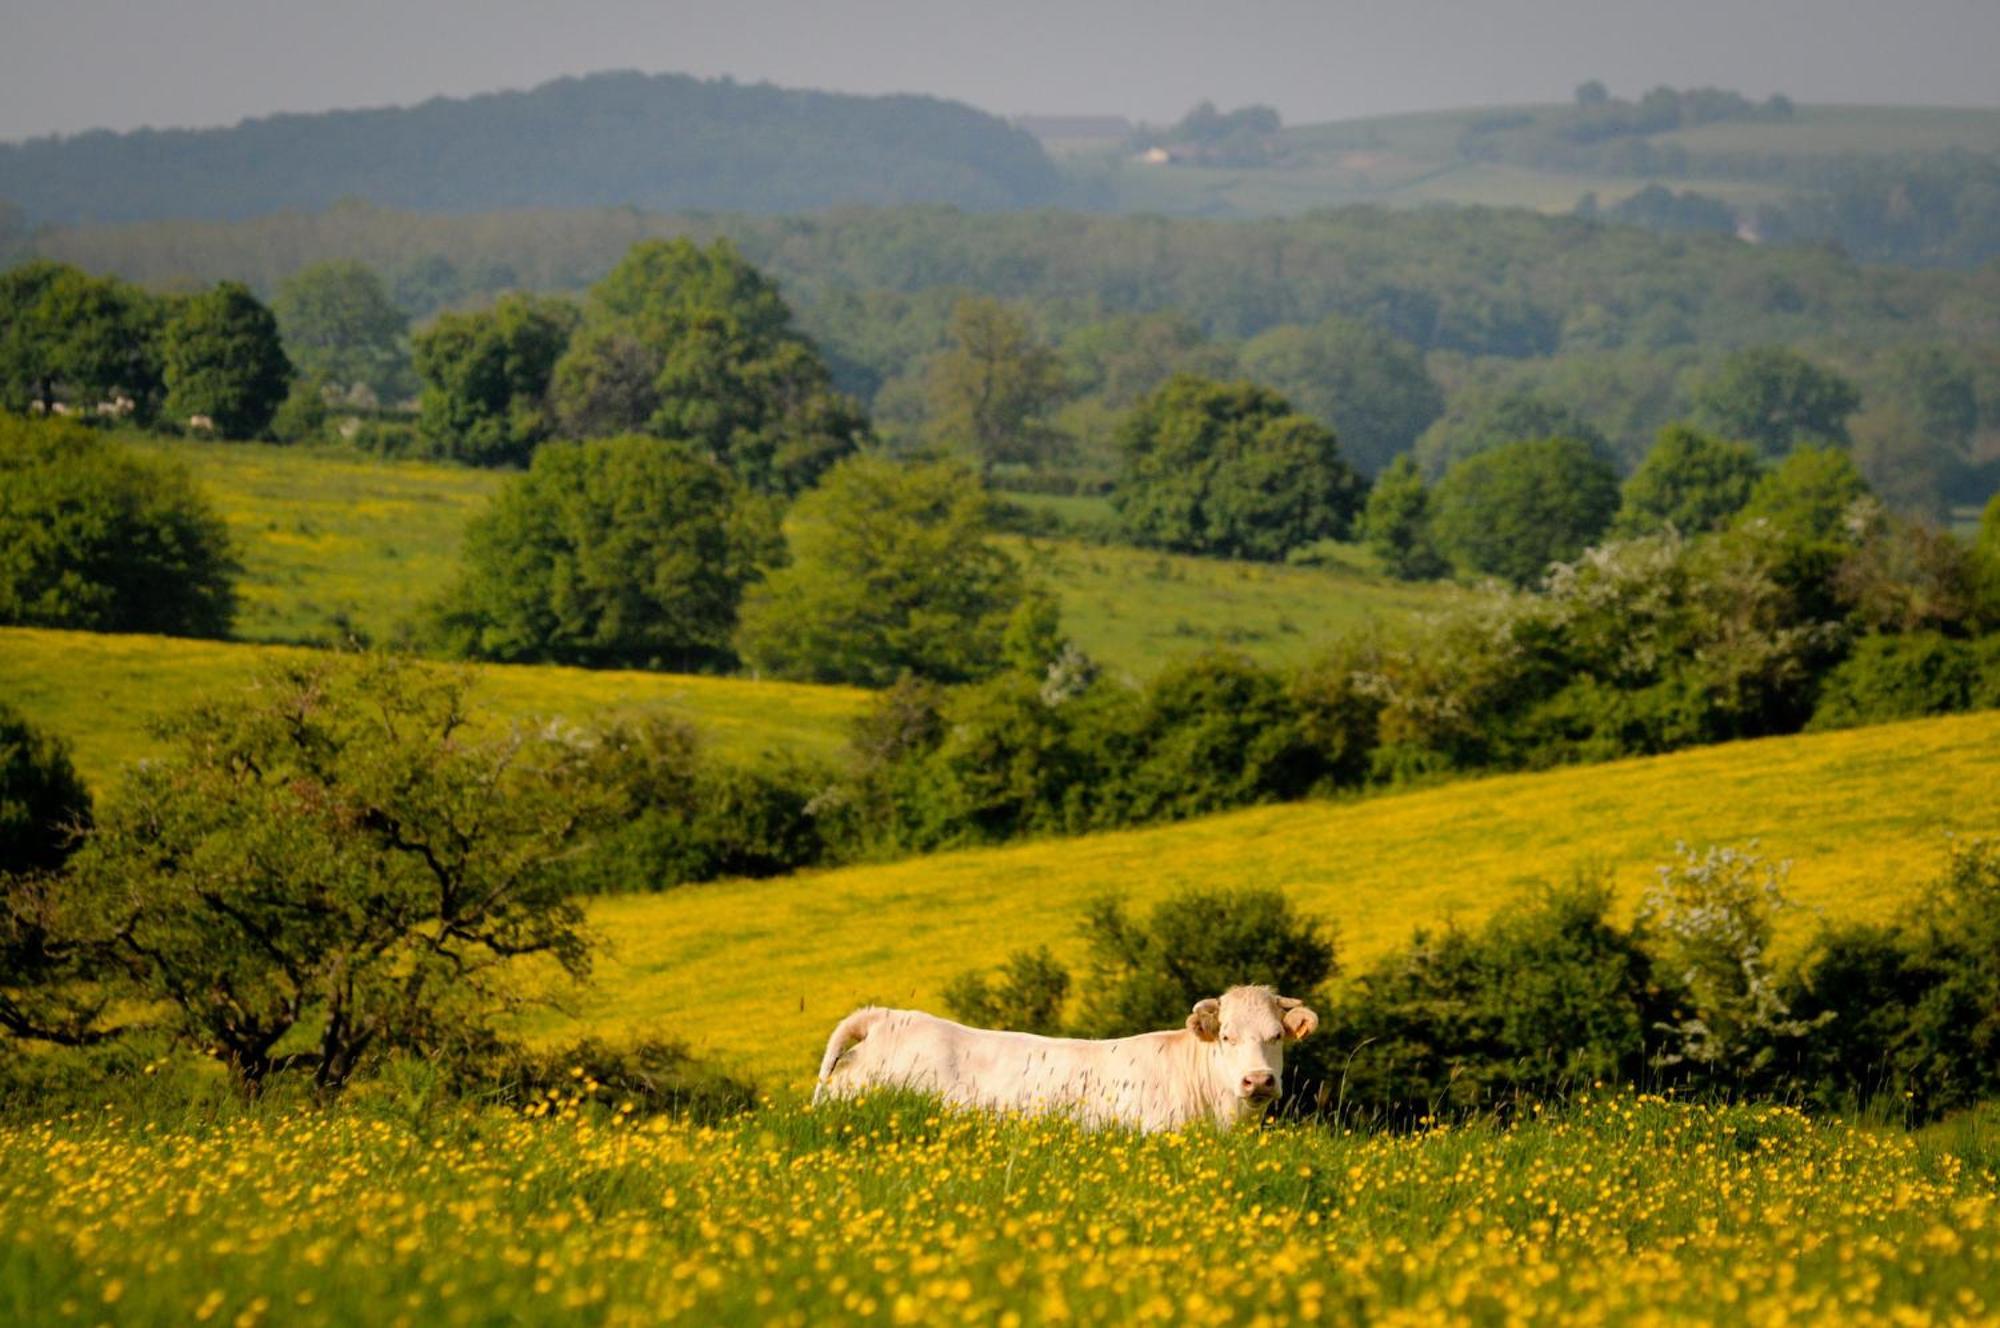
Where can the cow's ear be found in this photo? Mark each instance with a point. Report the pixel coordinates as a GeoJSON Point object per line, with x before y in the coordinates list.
{"type": "Point", "coordinates": [1205, 1020]}
{"type": "Point", "coordinates": [1299, 1021]}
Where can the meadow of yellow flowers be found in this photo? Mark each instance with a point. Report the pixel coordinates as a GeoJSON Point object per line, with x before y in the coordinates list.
{"type": "Point", "coordinates": [1622, 1210]}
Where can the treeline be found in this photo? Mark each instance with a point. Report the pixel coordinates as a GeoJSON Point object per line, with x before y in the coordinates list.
{"type": "Point", "coordinates": [1604, 135]}
{"type": "Point", "coordinates": [614, 139]}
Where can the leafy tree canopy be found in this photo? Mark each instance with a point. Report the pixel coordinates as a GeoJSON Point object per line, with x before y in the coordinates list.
{"type": "Point", "coordinates": [1776, 399]}
{"type": "Point", "coordinates": [44, 806]}
{"type": "Point", "coordinates": [68, 338]}
{"type": "Point", "coordinates": [1513, 511]}
{"type": "Point", "coordinates": [694, 343]}
{"type": "Point", "coordinates": [486, 379]}
{"type": "Point", "coordinates": [221, 357]}
{"type": "Point", "coordinates": [1810, 495]}
{"type": "Point", "coordinates": [1689, 481]}
{"type": "Point", "coordinates": [341, 327]}
{"type": "Point", "coordinates": [1485, 418]}
{"type": "Point", "coordinates": [1231, 470]}
{"type": "Point", "coordinates": [1368, 386]}
{"type": "Point", "coordinates": [94, 536]}
{"type": "Point", "coordinates": [624, 552]}
{"type": "Point", "coordinates": [1397, 524]}
{"type": "Point", "coordinates": [994, 388]}
{"type": "Point", "coordinates": [891, 572]}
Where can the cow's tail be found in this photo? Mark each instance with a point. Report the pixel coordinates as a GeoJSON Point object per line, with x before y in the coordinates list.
{"type": "Point", "coordinates": [849, 1031]}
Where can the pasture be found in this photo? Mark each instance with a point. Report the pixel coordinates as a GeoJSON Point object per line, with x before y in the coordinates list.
{"type": "Point", "coordinates": [754, 974]}
{"type": "Point", "coordinates": [1622, 1210]}
{"type": "Point", "coordinates": [333, 541]}
{"type": "Point", "coordinates": [99, 691]}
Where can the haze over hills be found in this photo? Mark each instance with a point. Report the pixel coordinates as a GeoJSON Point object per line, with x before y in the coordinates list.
{"type": "Point", "coordinates": [658, 141]}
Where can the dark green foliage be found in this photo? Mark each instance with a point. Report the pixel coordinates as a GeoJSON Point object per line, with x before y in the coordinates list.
{"type": "Point", "coordinates": [1927, 210]}
{"type": "Point", "coordinates": [1212, 732]}
{"type": "Point", "coordinates": [221, 358]}
{"type": "Point", "coordinates": [891, 571]}
{"type": "Point", "coordinates": [995, 388]}
{"type": "Point", "coordinates": [1231, 470]}
{"type": "Point", "coordinates": [1659, 208]}
{"type": "Point", "coordinates": [93, 536]}
{"type": "Point", "coordinates": [1369, 387]}
{"type": "Point", "coordinates": [486, 379]}
{"type": "Point", "coordinates": [1027, 995]}
{"type": "Point", "coordinates": [694, 343]}
{"type": "Point", "coordinates": [341, 328]}
{"type": "Point", "coordinates": [1547, 998]}
{"type": "Point", "coordinates": [607, 140]}
{"type": "Point", "coordinates": [1689, 481]}
{"type": "Point", "coordinates": [1904, 676]}
{"type": "Point", "coordinates": [326, 866]}
{"type": "Point", "coordinates": [1146, 974]}
{"type": "Point", "coordinates": [80, 342]}
{"type": "Point", "coordinates": [1909, 1013]}
{"type": "Point", "coordinates": [1776, 399]}
{"type": "Point", "coordinates": [1512, 511]}
{"type": "Point", "coordinates": [44, 807]}
{"type": "Point", "coordinates": [656, 1077]}
{"type": "Point", "coordinates": [301, 417]}
{"type": "Point", "coordinates": [1484, 418]}
{"type": "Point", "coordinates": [1396, 524]}
{"type": "Point", "coordinates": [623, 552]}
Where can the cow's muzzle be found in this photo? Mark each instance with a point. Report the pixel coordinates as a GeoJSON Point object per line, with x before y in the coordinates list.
{"type": "Point", "coordinates": [1259, 1086]}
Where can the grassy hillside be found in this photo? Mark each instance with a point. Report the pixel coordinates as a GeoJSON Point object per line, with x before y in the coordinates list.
{"type": "Point", "coordinates": [1412, 160]}
{"type": "Point", "coordinates": [99, 691]}
{"type": "Point", "coordinates": [755, 974]}
{"type": "Point", "coordinates": [332, 541]}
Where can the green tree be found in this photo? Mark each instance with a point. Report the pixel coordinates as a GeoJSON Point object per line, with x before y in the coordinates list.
{"type": "Point", "coordinates": [44, 807]}
{"type": "Point", "coordinates": [1513, 511]}
{"type": "Point", "coordinates": [1689, 481]}
{"type": "Point", "coordinates": [1776, 399]}
{"type": "Point", "coordinates": [1483, 418]}
{"type": "Point", "coordinates": [1231, 470]}
{"type": "Point", "coordinates": [892, 571]}
{"type": "Point", "coordinates": [70, 339]}
{"type": "Point", "coordinates": [329, 865]}
{"type": "Point", "coordinates": [616, 553]}
{"type": "Point", "coordinates": [221, 357]}
{"type": "Point", "coordinates": [696, 344]}
{"type": "Point", "coordinates": [1397, 524]}
{"type": "Point", "coordinates": [994, 388]}
{"type": "Point", "coordinates": [340, 327]}
{"type": "Point", "coordinates": [1368, 386]}
{"type": "Point", "coordinates": [97, 537]}
{"type": "Point", "coordinates": [486, 379]}
{"type": "Point", "coordinates": [1810, 495]}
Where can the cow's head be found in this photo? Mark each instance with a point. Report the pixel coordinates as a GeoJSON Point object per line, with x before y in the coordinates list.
{"type": "Point", "coordinates": [1246, 1029]}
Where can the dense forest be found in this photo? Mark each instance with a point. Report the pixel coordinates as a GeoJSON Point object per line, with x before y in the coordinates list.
{"type": "Point", "coordinates": [658, 141]}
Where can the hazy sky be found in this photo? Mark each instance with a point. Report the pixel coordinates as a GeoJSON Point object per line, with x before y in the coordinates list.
{"type": "Point", "coordinates": [67, 65]}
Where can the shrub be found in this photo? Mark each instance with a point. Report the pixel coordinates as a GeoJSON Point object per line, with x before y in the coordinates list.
{"type": "Point", "coordinates": [1397, 524]}
{"type": "Point", "coordinates": [624, 552]}
{"type": "Point", "coordinates": [221, 358]}
{"type": "Point", "coordinates": [486, 379]}
{"type": "Point", "coordinates": [1027, 995]}
{"type": "Point", "coordinates": [1689, 481]}
{"type": "Point", "coordinates": [891, 572]}
{"type": "Point", "coordinates": [1902, 677]}
{"type": "Point", "coordinates": [44, 807]}
{"type": "Point", "coordinates": [96, 537]}
{"type": "Point", "coordinates": [1513, 511]}
{"type": "Point", "coordinates": [1231, 470]}
{"type": "Point", "coordinates": [1548, 997]}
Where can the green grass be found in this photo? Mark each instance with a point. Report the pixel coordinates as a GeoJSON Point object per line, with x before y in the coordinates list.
{"type": "Point", "coordinates": [1863, 815]}
{"type": "Point", "coordinates": [99, 691]}
{"type": "Point", "coordinates": [1625, 1210]}
{"type": "Point", "coordinates": [329, 538]}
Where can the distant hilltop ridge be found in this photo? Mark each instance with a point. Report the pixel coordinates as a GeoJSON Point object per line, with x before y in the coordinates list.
{"type": "Point", "coordinates": [661, 141]}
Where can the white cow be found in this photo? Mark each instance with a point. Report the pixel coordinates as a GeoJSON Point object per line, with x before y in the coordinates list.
{"type": "Point", "coordinates": [1225, 1066]}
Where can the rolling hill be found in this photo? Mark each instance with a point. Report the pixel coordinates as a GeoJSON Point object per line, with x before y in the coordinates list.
{"type": "Point", "coordinates": [611, 139]}
{"type": "Point", "coordinates": [755, 973]}
{"type": "Point", "coordinates": [98, 691]}
{"type": "Point", "coordinates": [334, 542]}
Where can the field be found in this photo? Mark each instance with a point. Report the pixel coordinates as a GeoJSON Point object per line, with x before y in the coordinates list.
{"type": "Point", "coordinates": [331, 539]}
{"type": "Point", "coordinates": [1627, 1210]}
{"type": "Point", "coordinates": [1863, 815]}
{"type": "Point", "coordinates": [98, 692]}
{"type": "Point", "coordinates": [1412, 160]}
